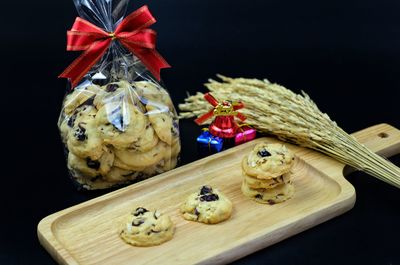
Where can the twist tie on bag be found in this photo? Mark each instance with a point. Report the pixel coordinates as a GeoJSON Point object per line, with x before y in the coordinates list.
{"type": "Point", "coordinates": [133, 33]}
{"type": "Point", "coordinates": [112, 35]}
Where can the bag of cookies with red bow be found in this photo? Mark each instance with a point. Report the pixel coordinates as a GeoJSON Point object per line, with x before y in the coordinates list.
{"type": "Point", "coordinates": [118, 122]}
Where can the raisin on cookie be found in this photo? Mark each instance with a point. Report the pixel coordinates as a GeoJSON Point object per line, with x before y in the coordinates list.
{"type": "Point", "coordinates": [144, 228]}
{"type": "Point", "coordinates": [207, 205]}
{"type": "Point", "coordinates": [268, 161]}
{"type": "Point", "coordinates": [272, 196]}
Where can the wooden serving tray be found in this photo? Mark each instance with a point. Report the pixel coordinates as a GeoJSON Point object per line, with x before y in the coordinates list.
{"type": "Point", "coordinates": [88, 233]}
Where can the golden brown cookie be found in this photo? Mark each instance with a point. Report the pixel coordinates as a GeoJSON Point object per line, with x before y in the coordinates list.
{"type": "Point", "coordinates": [162, 122]}
{"type": "Point", "coordinates": [272, 196]}
{"type": "Point", "coordinates": [119, 175]}
{"type": "Point", "coordinates": [145, 228]}
{"type": "Point", "coordinates": [146, 141]}
{"type": "Point", "coordinates": [268, 161]}
{"type": "Point", "coordinates": [207, 205]}
{"type": "Point", "coordinates": [83, 139]}
{"type": "Point", "coordinates": [120, 123]}
{"type": "Point", "coordinates": [142, 159]}
{"type": "Point", "coordinates": [256, 183]}
{"type": "Point", "coordinates": [78, 97]}
{"type": "Point", "coordinates": [152, 93]}
{"type": "Point", "coordinates": [120, 164]}
{"type": "Point", "coordinates": [120, 91]}
{"type": "Point", "coordinates": [92, 168]}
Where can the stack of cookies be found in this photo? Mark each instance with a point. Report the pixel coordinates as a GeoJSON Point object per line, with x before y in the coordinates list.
{"type": "Point", "coordinates": [119, 133]}
{"type": "Point", "coordinates": [267, 173]}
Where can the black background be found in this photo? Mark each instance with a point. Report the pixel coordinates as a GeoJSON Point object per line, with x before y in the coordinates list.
{"type": "Point", "coordinates": [345, 54]}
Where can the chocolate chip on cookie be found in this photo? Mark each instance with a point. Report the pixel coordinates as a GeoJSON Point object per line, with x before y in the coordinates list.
{"type": "Point", "coordinates": [71, 120]}
{"type": "Point", "coordinates": [196, 212]}
{"type": "Point", "coordinates": [88, 102]}
{"type": "Point", "coordinates": [205, 190]}
{"type": "Point", "coordinates": [264, 153]}
{"type": "Point", "coordinates": [148, 228]}
{"type": "Point", "coordinates": [96, 178]}
{"type": "Point", "coordinates": [209, 198]}
{"type": "Point", "coordinates": [92, 163]}
{"type": "Point", "coordinates": [136, 222]}
{"type": "Point", "coordinates": [111, 88]}
{"type": "Point", "coordinates": [140, 211]}
{"type": "Point", "coordinates": [80, 133]}
{"type": "Point", "coordinates": [207, 205]}
{"type": "Point", "coordinates": [156, 215]}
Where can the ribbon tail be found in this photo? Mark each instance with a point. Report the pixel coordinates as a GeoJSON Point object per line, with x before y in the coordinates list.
{"type": "Point", "coordinates": [211, 99]}
{"type": "Point", "coordinates": [153, 61]}
{"type": "Point", "coordinates": [238, 105]}
{"type": "Point", "coordinates": [241, 116]}
{"type": "Point", "coordinates": [81, 65]}
{"type": "Point", "coordinates": [200, 120]}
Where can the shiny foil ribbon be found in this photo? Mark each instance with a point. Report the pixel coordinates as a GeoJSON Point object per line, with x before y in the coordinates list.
{"type": "Point", "coordinates": [133, 33]}
{"type": "Point", "coordinates": [224, 124]}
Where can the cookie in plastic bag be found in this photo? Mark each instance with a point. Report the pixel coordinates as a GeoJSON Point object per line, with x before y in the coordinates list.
{"type": "Point", "coordinates": [118, 123]}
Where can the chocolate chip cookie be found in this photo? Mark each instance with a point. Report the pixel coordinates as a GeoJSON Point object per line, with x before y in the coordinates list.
{"type": "Point", "coordinates": [272, 196]}
{"type": "Point", "coordinates": [268, 161]}
{"type": "Point", "coordinates": [207, 205]}
{"type": "Point", "coordinates": [144, 228]}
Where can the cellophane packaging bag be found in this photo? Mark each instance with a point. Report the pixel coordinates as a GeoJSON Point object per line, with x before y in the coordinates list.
{"type": "Point", "coordinates": [118, 123]}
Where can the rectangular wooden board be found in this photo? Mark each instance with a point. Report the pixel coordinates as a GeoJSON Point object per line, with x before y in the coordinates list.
{"type": "Point", "coordinates": [88, 233]}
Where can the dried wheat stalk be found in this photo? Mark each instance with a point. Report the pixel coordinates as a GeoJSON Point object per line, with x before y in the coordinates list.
{"type": "Point", "coordinates": [273, 109]}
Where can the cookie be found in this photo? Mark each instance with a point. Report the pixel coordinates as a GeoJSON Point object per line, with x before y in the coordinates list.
{"type": "Point", "coordinates": [161, 120]}
{"type": "Point", "coordinates": [114, 117]}
{"type": "Point", "coordinates": [161, 167]}
{"type": "Point", "coordinates": [120, 124]}
{"type": "Point", "coordinates": [95, 183]}
{"type": "Point", "coordinates": [170, 163]}
{"type": "Point", "coordinates": [173, 150]}
{"type": "Point", "coordinates": [272, 196]}
{"type": "Point", "coordinates": [255, 183]}
{"type": "Point", "coordinates": [67, 122]}
{"type": "Point", "coordinates": [154, 170]}
{"type": "Point", "coordinates": [119, 175]}
{"type": "Point", "coordinates": [151, 93]}
{"type": "Point", "coordinates": [120, 91]}
{"type": "Point", "coordinates": [146, 141]}
{"type": "Point", "coordinates": [145, 228]}
{"type": "Point", "coordinates": [82, 112]}
{"type": "Point", "coordinates": [64, 128]}
{"type": "Point", "coordinates": [142, 159]}
{"type": "Point", "coordinates": [82, 166]}
{"type": "Point", "coordinates": [268, 161]}
{"type": "Point", "coordinates": [92, 168]}
{"type": "Point", "coordinates": [80, 96]}
{"type": "Point", "coordinates": [83, 140]}
{"type": "Point", "coordinates": [122, 165]}
{"type": "Point", "coordinates": [207, 205]}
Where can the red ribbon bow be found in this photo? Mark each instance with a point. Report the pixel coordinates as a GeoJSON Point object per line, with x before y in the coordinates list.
{"type": "Point", "coordinates": [219, 109]}
{"type": "Point", "coordinates": [132, 32]}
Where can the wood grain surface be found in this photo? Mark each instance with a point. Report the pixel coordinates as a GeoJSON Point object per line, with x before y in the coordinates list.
{"type": "Point", "coordinates": [88, 233]}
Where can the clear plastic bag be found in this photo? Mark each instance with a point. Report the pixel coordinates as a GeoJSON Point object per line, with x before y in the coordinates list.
{"type": "Point", "coordinates": [118, 124]}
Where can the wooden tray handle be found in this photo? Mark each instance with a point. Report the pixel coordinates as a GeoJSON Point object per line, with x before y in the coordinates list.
{"type": "Point", "coordinates": [383, 139]}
